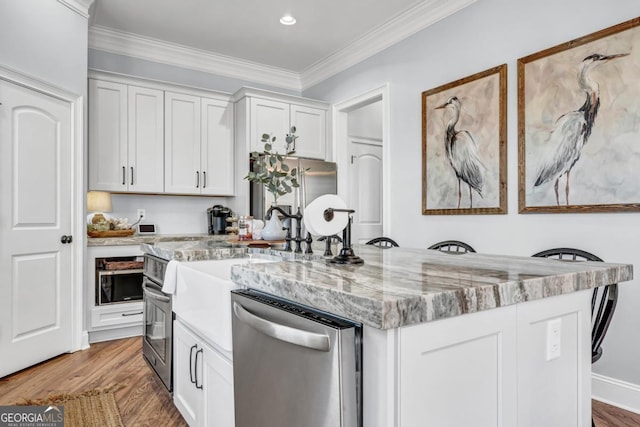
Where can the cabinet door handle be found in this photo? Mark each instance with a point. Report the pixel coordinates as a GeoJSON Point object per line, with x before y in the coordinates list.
{"type": "Point", "coordinates": [204, 179]}
{"type": "Point", "coordinates": [196, 369]}
{"type": "Point", "coordinates": [197, 179]}
{"type": "Point", "coordinates": [131, 314]}
{"type": "Point", "coordinates": [131, 175]}
{"type": "Point", "coordinates": [191, 364]}
{"type": "Point", "coordinates": [123, 177]}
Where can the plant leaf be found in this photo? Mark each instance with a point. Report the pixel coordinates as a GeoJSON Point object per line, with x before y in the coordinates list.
{"type": "Point", "coordinates": [267, 148]}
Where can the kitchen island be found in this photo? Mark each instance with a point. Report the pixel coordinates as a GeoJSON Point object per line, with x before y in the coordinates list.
{"type": "Point", "coordinates": [457, 340]}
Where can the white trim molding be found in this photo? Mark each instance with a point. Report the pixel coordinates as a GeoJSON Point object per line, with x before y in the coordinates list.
{"type": "Point", "coordinates": [419, 17]}
{"type": "Point", "coordinates": [340, 111]}
{"type": "Point", "coordinates": [616, 392]}
{"type": "Point", "coordinates": [129, 44]}
{"type": "Point", "coordinates": [409, 22]}
{"type": "Point", "coordinates": [81, 7]}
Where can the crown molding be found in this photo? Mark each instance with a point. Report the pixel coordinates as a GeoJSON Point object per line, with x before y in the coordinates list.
{"type": "Point", "coordinates": [419, 17]}
{"type": "Point", "coordinates": [128, 44]}
{"type": "Point", "coordinates": [414, 19]}
{"type": "Point", "coordinates": [81, 7]}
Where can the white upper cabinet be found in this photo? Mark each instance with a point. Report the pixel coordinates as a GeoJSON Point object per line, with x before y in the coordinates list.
{"type": "Point", "coordinates": [107, 136]}
{"type": "Point", "coordinates": [270, 117]}
{"type": "Point", "coordinates": [199, 156]}
{"type": "Point", "coordinates": [158, 138]}
{"type": "Point", "coordinates": [311, 128]}
{"type": "Point", "coordinates": [146, 140]}
{"type": "Point", "coordinates": [264, 112]}
{"type": "Point", "coordinates": [182, 144]}
{"type": "Point", "coordinates": [217, 153]}
{"type": "Point", "coordinates": [126, 138]}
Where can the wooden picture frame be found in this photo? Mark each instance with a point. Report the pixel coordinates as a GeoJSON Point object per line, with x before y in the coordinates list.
{"type": "Point", "coordinates": [464, 145]}
{"type": "Point", "coordinates": [579, 124]}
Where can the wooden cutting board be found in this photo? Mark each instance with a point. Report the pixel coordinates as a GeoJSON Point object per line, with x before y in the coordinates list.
{"type": "Point", "coordinates": [111, 233]}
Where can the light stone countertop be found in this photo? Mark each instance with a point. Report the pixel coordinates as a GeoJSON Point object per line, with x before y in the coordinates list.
{"type": "Point", "coordinates": [398, 287]}
{"type": "Point", "coordinates": [151, 239]}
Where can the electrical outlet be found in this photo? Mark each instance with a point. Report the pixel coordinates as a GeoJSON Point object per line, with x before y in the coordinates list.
{"type": "Point", "coordinates": [554, 338]}
{"type": "Point", "coordinates": [141, 213]}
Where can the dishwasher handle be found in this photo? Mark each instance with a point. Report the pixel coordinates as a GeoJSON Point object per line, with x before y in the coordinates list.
{"type": "Point", "coordinates": [284, 333]}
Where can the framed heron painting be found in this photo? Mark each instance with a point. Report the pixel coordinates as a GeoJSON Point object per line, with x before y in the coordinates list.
{"type": "Point", "coordinates": [464, 148]}
{"type": "Point", "coordinates": [579, 124]}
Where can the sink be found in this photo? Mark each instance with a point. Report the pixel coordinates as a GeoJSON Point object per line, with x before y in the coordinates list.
{"type": "Point", "coordinates": [202, 297]}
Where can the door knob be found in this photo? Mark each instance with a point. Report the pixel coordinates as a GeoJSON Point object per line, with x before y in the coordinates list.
{"type": "Point", "coordinates": [66, 239]}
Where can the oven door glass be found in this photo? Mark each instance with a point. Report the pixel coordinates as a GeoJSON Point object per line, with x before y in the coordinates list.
{"type": "Point", "coordinates": [157, 307]}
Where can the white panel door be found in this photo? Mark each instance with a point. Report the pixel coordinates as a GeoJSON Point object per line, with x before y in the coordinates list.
{"type": "Point", "coordinates": [270, 117]}
{"type": "Point", "coordinates": [145, 173]}
{"type": "Point", "coordinates": [182, 144]}
{"type": "Point", "coordinates": [365, 178]}
{"type": "Point", "coordinates": [107, 136]}
{"type": "Point", "coordinates": [311, 127]}
{"type": "Point", "coordinates": [217, 153]}
{"type": "Point", "coordinates": [35, 211]}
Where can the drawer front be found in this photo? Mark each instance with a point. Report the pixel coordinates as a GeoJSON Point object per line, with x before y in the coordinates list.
{"type": "Point", "coordinates": [117, 315]}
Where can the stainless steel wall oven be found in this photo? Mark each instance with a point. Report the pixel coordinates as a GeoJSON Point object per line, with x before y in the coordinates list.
{"type": "Point", "coordinates": [157, 337]}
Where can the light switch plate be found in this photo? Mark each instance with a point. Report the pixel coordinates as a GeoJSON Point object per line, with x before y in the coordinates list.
{"type": "Point", "coordinates": [554, 338]}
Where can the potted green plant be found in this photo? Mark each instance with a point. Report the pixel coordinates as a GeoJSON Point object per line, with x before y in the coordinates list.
{"type": "Point", "coordinates": [277, 178]}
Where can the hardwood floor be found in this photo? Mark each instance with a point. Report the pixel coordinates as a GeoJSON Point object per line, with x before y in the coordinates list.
{"type": "Point", "coordinates": [142, 402]}
{"type": "Point", "coordinates": [610, 416]}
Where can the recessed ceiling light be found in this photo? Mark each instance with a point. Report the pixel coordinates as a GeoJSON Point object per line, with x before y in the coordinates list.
{"type": "Point", "coordinates": [287, 20]}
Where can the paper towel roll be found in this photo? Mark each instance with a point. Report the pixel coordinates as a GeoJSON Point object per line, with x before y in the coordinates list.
{"type": "Point", "coordinates": [314, 218]}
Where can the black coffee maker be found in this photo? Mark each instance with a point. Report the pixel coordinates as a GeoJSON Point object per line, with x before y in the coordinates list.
{"type": "Point", "coordinates": [217, 216]}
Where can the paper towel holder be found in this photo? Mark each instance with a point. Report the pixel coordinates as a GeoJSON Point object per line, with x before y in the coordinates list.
{"type": "Point", "coordinates": [346, 255]}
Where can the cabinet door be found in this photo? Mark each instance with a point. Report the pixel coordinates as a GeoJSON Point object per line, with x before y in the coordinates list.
{"type": "Point", "coordinates": [182, 144]}
{"type": "Point", "coordinates": [311, 128]}
{"type": "Point", "coordinates": [107, 136]}
{"type": "Point", "coordinates": [217, 154]}
{"type": "Point", "coordinates": [218, 389]}
{"type": "Point", "coordinates": [270, 117]}
{"type": "Point", "coordinates": [145, 171]}
{"type": "Point", "coordinates": [188, 399]}
{"type": "Point", "coordinates": [464, 362]}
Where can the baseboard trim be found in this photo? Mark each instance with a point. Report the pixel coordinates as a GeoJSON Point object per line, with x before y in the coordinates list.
{"type": "Point", "coordinates": [615, 392]}
{"type": "Point", "coordinates": [84, 344]}
{"type": "Point", "coordinates": [115, 334]}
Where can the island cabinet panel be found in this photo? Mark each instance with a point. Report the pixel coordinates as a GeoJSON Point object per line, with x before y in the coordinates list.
{"type": "Point", "coordinates": [547, 391]}
{"type": "Point", "coordinates": [459, 371]}
{"type": "Point", "coordinates": [492, 368]}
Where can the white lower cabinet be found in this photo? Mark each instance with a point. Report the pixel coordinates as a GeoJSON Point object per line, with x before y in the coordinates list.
{"type": "Point", "coordinates": [202, 380]}
{"type": "Point", "coordinates": [486, 369]}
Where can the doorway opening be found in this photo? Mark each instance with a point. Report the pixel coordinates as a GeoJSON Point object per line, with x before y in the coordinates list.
{"type": "Point", "coordinates": [361, 147]}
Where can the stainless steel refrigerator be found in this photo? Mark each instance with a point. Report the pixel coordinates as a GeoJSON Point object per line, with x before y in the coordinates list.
{"type": "Point", "coordinates": [318, 178]}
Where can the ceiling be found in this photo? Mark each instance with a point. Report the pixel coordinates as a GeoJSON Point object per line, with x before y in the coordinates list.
{"type": "Point", "coordinates": [249, 31]}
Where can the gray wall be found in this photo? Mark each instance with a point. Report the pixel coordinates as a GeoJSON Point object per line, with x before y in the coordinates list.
{"type": "Point", "coordinates": [366, 121]}
{"type": "Point", "coordinates": [486, 34]}
{"type": "Point", "coordinates": [46, 40]}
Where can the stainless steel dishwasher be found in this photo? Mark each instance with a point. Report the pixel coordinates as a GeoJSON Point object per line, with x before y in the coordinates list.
{"type": "Point", "coordinates": [294, 365]}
